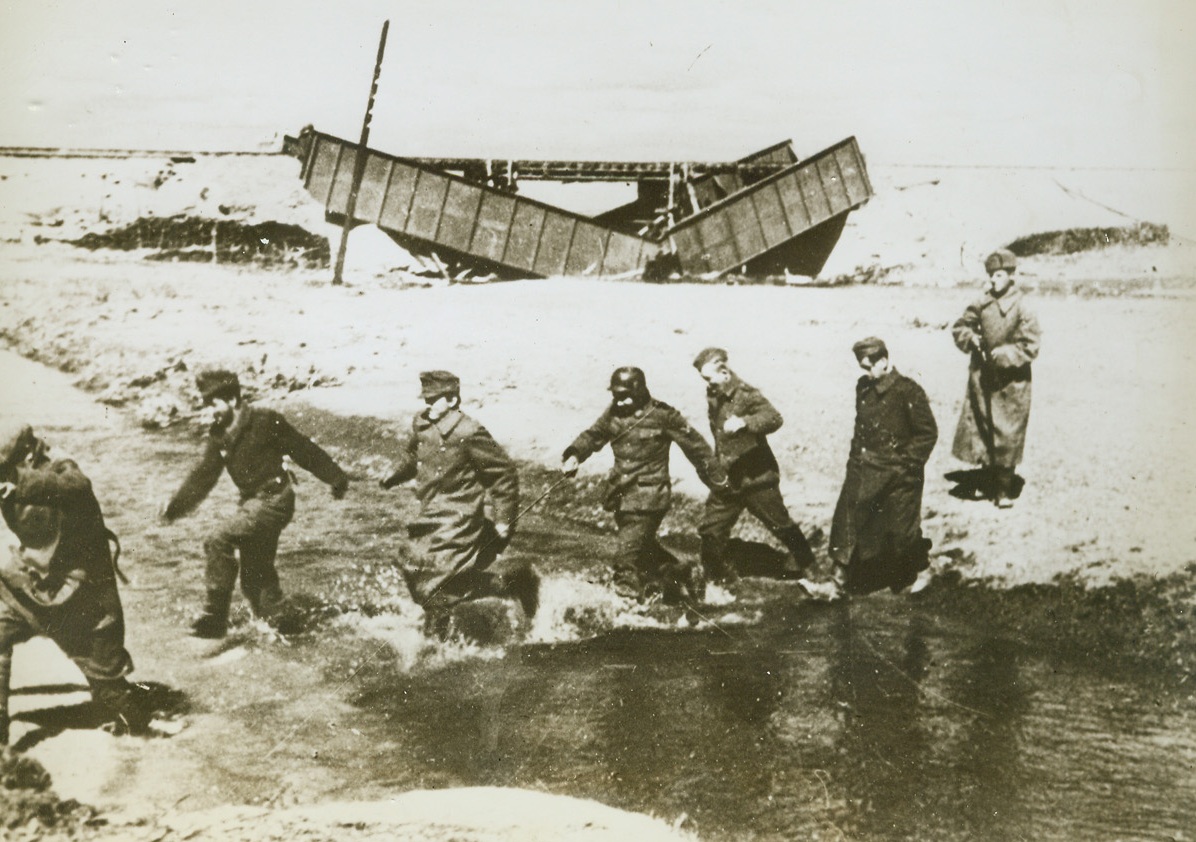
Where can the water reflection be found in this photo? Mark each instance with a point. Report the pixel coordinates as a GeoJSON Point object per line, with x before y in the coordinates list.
{"type": "Point", "coordinates": [871, 720]}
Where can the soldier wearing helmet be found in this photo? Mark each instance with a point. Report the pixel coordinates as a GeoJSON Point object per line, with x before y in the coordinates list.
{"type": "Point", "coordinates": [641, 432]}
{"type": "Point", "coordinates": [1000, 335]}
{"type": "Point", "coordinates": [60, 581]}
{"type": "Point", "coordinates": [249, 442]}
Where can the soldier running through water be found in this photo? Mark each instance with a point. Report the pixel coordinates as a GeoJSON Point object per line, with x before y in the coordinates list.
{"type": "Point", "coordinates": [741, 418]}
{"type": "Point", "coordinates": [641, 431]}
{"type": "Point", "coordinates": [456, 463]}
{"type": "Point", "coordinates": [60, 581]}
{"type": "Point", "coordinates": [249, 442]}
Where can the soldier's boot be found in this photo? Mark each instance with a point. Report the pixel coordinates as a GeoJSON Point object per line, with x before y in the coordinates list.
{"type": "Point", "coordinates": [793, 539]}
{"type": "Point", "coordinates": [124, 706]}
{"type": "Point", "coordinates": [1003, 495]}
{"type": "Point", "coordinates": [212, 623]}
{"type": "Point", "coordinates": [523, 586]}
{"type": "Point", "coordinates": [715, 564]}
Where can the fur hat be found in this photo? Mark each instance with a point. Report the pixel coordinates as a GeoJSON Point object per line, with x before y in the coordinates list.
{"type": "Point", "coordinates": [1000, 259]}
{"type": "Point", "coordinates": [218, 383]}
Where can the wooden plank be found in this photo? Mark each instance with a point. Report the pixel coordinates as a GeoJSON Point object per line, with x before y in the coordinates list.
{"type": "Point", "coordinates": [622, 254]}
{"type": "Point", "coordinates": [746, 228]}
{"type": "Point", "coordinates": [794, 203]}
{"type": "Point", "coordinates": [813, 194]}
{"type": "Point", "coordinates": [322, 171]}
{"type": "Point", "coordinates": [773, 222]}
{"type": "Point", "coordinates": [836, 190]}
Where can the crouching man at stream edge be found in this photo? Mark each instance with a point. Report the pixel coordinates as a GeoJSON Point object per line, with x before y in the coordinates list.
{"type": "Point", "coordinates": [641, 431]}
{"type": "Point", "coordinates": [60, 581]}
{"type": "Point", "coordinates": [456, 463]}
{"type": "Point", "coordinates": [249, 442]}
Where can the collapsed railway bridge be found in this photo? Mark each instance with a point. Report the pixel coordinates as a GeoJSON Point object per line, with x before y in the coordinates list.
{"type": "Point", "coordinates": [766, 214]}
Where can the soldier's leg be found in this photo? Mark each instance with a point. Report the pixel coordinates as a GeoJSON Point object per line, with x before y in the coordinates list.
{"type": "Point", "coordinates": [13, 630]}
{"type": "Point", "coordinates": [94, 638]}
{"type": "Point", "coordinates": [718, 519]}
{"type": "Point", "coordinates": [769, 507]}
{"type": "Point", "coordinates": [259, 576]}
{"type": "Point", "coordinates": [220, 574]}
{"type": "Point", "coordinates": [637, 532]}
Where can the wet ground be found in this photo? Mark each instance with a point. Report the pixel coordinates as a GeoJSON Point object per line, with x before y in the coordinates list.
{"type": "Point", "coordinates": [1046, 712]}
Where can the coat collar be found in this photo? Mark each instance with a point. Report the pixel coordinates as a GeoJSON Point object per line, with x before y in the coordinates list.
{"type": "Point", "coordinates": [229, 437]}
{"type": "Point", "coordinates": [882, 385]}
{"type": "Point", "coordinates": [1007, 301]}
{"type": "Point", "coordinates": [444, 425]}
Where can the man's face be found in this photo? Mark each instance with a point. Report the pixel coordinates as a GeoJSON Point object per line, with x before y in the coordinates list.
{"type": "Point", "coordinates": [999, 281]}
{"type": "Point", "coordinates": [439, 406]}
{"type": "Point", "coordinates": [715, 373]}
{"type": "Point", "coordinates": [218, 413]}
{"type": "Point", "coordinates": [875, 367]}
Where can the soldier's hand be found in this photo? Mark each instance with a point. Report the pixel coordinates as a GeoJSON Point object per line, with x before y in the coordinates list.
{"type": "Point", "coordinates": [339, 490]}
{"type": "Point", "coordinates": [569, 466]}
{"type": "Point", "coordinates": [6, 488]}
{"type": "Point", "coordinates": [163, 511]}
{"type": "Point", "coordinates": [734, 424]}
{"type": "Point", "coordinates": [503, 530]}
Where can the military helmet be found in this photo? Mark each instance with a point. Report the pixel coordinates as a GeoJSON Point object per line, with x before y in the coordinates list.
{"type": "Point", "coordinates": [628, 380]}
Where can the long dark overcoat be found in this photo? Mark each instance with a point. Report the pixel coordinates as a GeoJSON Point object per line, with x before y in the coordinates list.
{"type": "Point", "coordinates": [997, 402]}
{"type": "Point", "coordinates": [455, 462]}
{"type": "Point", "coordinates": [876, 532]}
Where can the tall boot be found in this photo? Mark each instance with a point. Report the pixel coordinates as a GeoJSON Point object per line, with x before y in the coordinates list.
{"type": "Point", "coordinates": [1004, 487]}
{"type": "Point", "coordinates": [715, 564]}
{"type": "Point", "coordinates": [793, 539]}
{"type": "Point", "coordinates": [5, 678]}
{"type": "Point", "coordinates": [212, 623]}
{"type": "Point", "coordinates": [124, 705]}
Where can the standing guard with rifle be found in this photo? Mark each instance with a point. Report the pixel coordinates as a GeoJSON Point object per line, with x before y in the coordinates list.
{"type": "Point", "coordinates": [60, 581]}
{"type": "Point", "coordinates": [641, 431]}
{"type": "Point", "coordinates": [1001, 336]}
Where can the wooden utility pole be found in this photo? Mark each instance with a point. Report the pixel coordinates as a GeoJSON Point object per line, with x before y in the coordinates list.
{"type": "Point", "coordinates": [359, 162]}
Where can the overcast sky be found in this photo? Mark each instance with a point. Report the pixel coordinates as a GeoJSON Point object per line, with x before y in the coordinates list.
{"type": "Point", "coordinates": [1084, 83]}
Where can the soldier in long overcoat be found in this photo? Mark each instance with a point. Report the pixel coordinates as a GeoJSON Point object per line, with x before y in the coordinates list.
{"type": "Point", "coordinates": [60, 581]}
{"type": "Point", "coordinates": [1000, 335]}
{"type": "Point", "coordinates": [876, 535]}
{"type": "Point", "coordinates": [456, 464]}
{"type": "Point", "coordinates": [641, 431]}
{"type": "Point", "coordinates": [249, 442]}
{"type": "Point", "coordinates": [741, 418]}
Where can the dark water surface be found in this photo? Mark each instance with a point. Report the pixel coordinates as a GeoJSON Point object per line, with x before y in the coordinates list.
{"type": "Point", "coordinates": [885, 718]}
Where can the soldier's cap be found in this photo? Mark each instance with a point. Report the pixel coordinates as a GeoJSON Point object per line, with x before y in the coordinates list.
{"type": "Point", "coordinates": [627, 379]}
{"type": "Point", "coordinates": [219, 383]}
{"type": "Point", "coordinates": [436, 384]}
{"type": "Point", "coordinates": [708, 355]}
{"type": "Point", "coordinates": [16, 439]}
{"type": "Point", "coordinates": [872, 346]}
{"type": "Point", "coordinates": [1000, 259]}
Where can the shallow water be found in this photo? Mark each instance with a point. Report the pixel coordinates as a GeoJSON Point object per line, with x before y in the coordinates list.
{"type": "Point", "coordinates": [880, 719]}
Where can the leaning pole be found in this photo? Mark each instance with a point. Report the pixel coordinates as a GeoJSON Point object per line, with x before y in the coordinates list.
{"type": "Point", "coordinates": [359, 163]}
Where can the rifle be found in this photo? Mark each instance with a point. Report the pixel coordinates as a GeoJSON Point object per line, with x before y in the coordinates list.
{"type": "Point", "coordinates": [990, 434]}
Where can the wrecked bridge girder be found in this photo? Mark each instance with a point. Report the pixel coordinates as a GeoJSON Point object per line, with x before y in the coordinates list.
{"type": "Point", "coordinates": [766, 212]}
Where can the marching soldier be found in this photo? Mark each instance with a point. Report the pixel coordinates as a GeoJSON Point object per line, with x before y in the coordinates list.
{"type": "Point", "coordinates": [456, 463]}
{"type": "Point", "coordinates": [640, 431]}
{"type": "Point", "coordinates": [249, 442]}
{"type": "Point", "coordinates": [61, 581]}
{"type": "Point", "coordinates": [876, 535]}
{"type": "Point", "coordinates": [1001, 335]}
{"type": "Point", "coordinates": [741, 418]}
